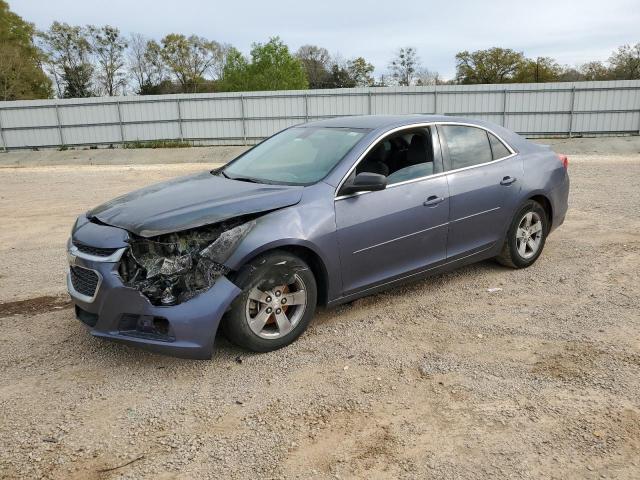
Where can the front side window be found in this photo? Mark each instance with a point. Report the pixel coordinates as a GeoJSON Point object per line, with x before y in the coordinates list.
{"type": "Point", "coordinates": [403, 156]}
{"type": "Point", "coordinates": [297, 156]}
{"type": "Point", "coordinates": [467, 146]}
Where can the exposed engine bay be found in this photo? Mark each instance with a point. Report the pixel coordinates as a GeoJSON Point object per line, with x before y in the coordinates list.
{"type": "Point", "coordinates": [172, 268]}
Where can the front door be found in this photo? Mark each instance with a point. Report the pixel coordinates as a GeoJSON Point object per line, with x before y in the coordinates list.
{"type": "Point", "coordinates": [402, 229]}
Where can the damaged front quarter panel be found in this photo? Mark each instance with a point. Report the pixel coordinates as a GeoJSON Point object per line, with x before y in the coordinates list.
{"type": "Point", "coordinates": [172, 268]}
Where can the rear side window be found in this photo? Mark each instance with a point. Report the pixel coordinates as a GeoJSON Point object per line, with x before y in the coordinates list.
{"type": "Point", "coordinates": [467, 146]}
{"type": "Point", "coordinates": [497, 147]}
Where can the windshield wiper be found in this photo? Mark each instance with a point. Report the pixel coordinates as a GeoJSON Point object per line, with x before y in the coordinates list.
{"type": "Point", "coordinates": [244, 179]}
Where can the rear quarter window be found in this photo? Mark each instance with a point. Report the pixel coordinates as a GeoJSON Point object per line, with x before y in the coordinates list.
{"type": "Point", "coordinates": [498, 149]}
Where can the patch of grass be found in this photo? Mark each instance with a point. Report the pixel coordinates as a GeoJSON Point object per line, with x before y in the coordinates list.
{"type": "Point", "coordinates": [157, 144]}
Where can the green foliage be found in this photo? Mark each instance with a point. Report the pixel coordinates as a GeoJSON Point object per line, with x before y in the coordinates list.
{"type": "Point", "coordinates": [86, 61]}
{"type": "Point", "coordinates": [494, 65]}
{"type": "Point", "coordinates": [108, 47]}
{"type": "Point", "coordinates": [594, 71]}
{"type": "Point", "coordinates": [625, 62]}
{"type": "Point", "coordinates": [157, 144]}
{"type": "Point", "coordinates": [315, 61]}
{"type": "Point", "coordinates": [21, 74]}
{"type": "Point", "coordinates": [361, 72]}
{"type": "Point", "coordinates": [190, 58]}
{"type": "Point", "coordinates": [77, 80]}
{"type": "Point", "coordinates": [539, 70]}
{"type": "Point", "coordinates": [339, 77]}
{"type": "Point", "coordinates": [236, 72]}
{"type": "Point", "coordinates": [69, 59]}
{"type": "Point", "coordinates": [272, 67]}
{"type": "Point", "coordinates": [404, 66]}
{"type": "Point", "coordinates": [323, 72]}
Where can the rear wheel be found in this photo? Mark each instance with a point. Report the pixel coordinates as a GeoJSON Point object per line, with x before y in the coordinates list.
{"type": "Point", "coordinates": [276, 305]}
{"type": "Point", "coordinates": [526, 236]}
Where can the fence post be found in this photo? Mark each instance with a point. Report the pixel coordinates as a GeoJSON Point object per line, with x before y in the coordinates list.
{"type": "Point", "coordinates": [120, 122]}
{"type": "Point", "coordinates": [306, 107]}
{"type": "Point", "coordinates": [4, 140]}
{"type": "Point", "coordinates": [59, 125]}
{"type": "Point", "coordinates": [244, 126]}
{"type": "Point", "coordinates": [180, 121]}
{"type": "Point", "coordinates": [573, 100]}
{"type": "Point", "coordinates": [504, 107]}
{"type": "Point", "coordinates": [435, 99]}
{"type": "Point", "coordinates": [369, 101]}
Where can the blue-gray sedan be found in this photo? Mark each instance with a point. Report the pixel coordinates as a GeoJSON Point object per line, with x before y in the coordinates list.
{"type": "Point", "coordinates": [320, 213]}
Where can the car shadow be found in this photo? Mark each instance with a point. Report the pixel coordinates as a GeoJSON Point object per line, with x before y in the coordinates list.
{"type": "Point", "coordinates": [226, 354]}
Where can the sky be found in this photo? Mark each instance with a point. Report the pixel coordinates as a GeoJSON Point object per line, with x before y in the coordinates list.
{"type": "Point", "coordinates": [572, 31]}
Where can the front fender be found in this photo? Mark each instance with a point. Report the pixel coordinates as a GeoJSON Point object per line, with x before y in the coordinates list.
{"type": "Point", "coordinates": [310, 225]}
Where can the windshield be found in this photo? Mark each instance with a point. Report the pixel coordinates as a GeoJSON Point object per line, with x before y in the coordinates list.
{"type": "Point", "coordinates": [298, 156]}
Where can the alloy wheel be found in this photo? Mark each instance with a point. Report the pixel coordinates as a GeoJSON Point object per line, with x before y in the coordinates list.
{"type": "Point", "coordinates": [272, 313]}
{"type": "Point", "coordinates": [529, 235]}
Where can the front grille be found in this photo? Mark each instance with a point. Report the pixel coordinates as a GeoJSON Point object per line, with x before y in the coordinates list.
{"type": "Point", "coordinates": [84, 281]}
{"type": "Point", "coordinates": [95, 251]}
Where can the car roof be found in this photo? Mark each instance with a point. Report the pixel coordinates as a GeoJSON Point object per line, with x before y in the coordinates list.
{"type": "Point", "coordinates": [385, 121]}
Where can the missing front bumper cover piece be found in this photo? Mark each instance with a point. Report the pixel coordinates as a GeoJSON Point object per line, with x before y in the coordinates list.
{"type": "Point", "coordinates": [170, 269]}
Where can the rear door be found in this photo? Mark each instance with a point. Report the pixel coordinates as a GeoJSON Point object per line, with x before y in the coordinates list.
{"type": "Point", "coordinates": [401, 229]}
{"type": "Point", "coordinates": [483, 173]}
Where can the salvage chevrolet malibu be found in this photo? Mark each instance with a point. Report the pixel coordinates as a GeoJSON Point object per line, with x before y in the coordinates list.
{"type": "Point", "coordinates": [320, 213]}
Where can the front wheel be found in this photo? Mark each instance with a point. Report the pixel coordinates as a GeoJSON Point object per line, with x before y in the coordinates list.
{"type": "Point", "coordinates": [526, 236]}
{"type": "Point", "coordinates": [276, 305]}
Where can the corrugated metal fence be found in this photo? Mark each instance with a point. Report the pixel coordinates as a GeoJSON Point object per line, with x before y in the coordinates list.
{"type": "Point", "coordinates": [580, 108]}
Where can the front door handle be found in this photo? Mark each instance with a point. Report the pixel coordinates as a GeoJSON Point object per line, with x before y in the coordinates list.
{"type": "Point", "coordinates": [433, 200]}
{"type": "Point", "coordinates": [507, 180]}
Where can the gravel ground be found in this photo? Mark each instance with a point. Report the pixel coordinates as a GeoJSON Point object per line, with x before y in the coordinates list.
{"type": "Point", "coordinates": [439, 379]}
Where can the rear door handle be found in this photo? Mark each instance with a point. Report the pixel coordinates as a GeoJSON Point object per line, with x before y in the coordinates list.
{"type": "Point", "coordinates": [433, 200]}
{"type": "Point", "coordinates": [507, 180]}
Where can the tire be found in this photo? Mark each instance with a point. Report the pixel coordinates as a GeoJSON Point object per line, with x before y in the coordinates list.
{"type": "Point", "coordinates": [264, 302]}
{"type": "Point", "coordinates": [513, 254]}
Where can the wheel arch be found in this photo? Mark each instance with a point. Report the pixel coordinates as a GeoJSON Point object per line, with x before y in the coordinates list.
{"type": "Point", "coordinates": [546, 205]}
{"type": "Point", "coordinates": [306, 253]}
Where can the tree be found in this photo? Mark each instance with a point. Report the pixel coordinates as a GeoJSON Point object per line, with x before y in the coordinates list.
{"type": "Point", "coordinates": [69, 59]}
{"type": "Point", "coordinates": [570, 74]}
{"type": "Point", "coordinates": [339, 77]}
{"type": "Point", "coordinates": [494, 65]}
{"type": "Point", "coordinates": [404, 65]}
{"type": "Point", "coordinates": [146, 66]}
{"type": "Point", "coordinates": [235, 75]}
{"type": "Point", "coordinates": [315, 61]}
{"type": "Point", "coordinates": [272, 67]}
{"type": "Point", "coordinates": [426, 77]}
{"type": "Point", "coordinates": [109, 47]}
{"type": "Point", "coordinates": [360, 71]}
{"type": "Point", "coordinates": [539, 70]}
{"type": "Point", "coordinates": [190, 59]}
{"type": "Point", "coordinates": [595, 70]}
{"type": "Point", "coordinates": [21, 74]}
{"type": "Point", "coordinates": [625, 62]}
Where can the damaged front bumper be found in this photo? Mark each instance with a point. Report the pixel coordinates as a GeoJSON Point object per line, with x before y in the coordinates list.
{"type": "Point", "coordinates": [115, 311]}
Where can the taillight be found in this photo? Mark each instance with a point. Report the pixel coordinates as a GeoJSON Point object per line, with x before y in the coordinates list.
{"type": "Point", "coordinates": [564, 159]}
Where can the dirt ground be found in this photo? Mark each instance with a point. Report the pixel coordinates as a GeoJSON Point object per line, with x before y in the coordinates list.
{"type": "Point", "coordinates": [442, 378]}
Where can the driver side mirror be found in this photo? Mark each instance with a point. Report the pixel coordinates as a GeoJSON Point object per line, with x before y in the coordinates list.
{"type": "Point", "coordinates": [364, 182]}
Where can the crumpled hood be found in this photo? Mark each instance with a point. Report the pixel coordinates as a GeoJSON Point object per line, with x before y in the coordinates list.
{"type": "Point", "coordinates": [190, 202]}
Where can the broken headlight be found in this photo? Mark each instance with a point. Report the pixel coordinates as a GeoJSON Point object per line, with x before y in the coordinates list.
{"type": "Point", "coordinates": [170, 269]}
